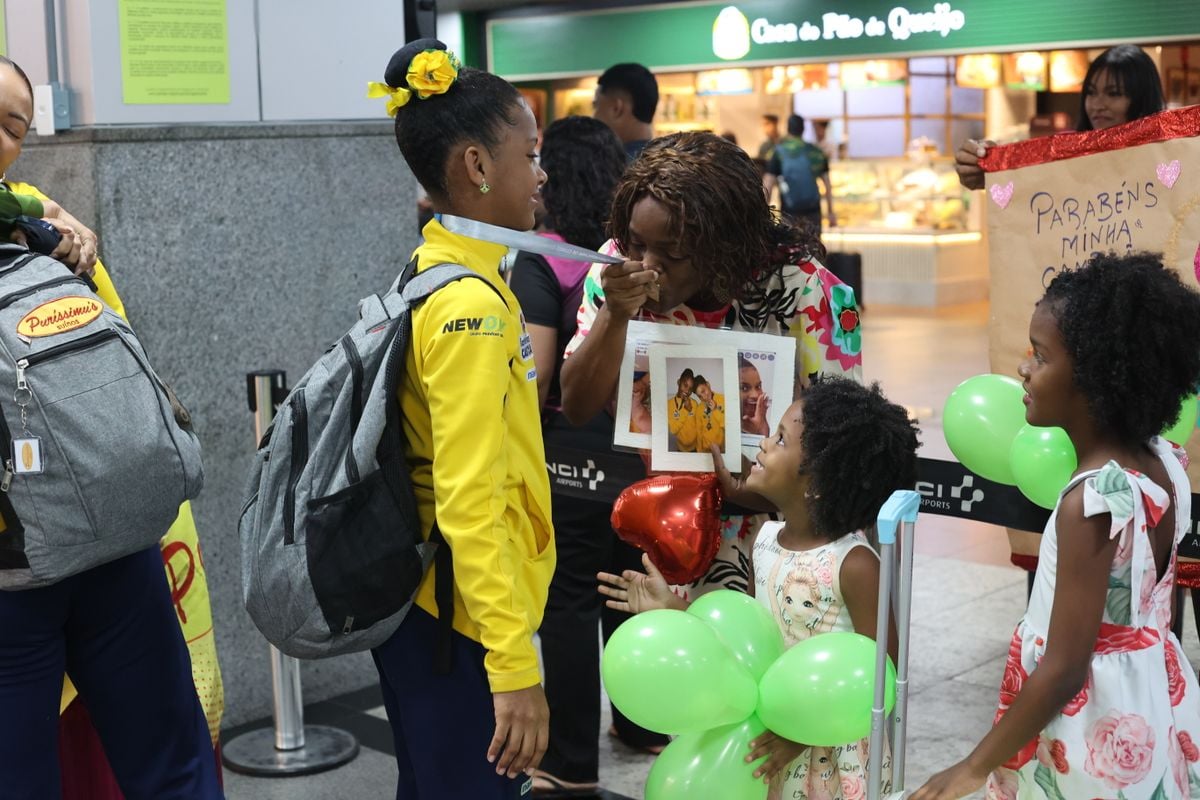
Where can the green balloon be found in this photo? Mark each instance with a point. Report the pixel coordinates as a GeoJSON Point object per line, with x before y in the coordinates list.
{"type": "Point", "coordinates": [981, 418]}
{"type": "Point", "coordinates": [821, 691]}
{"type": "Point", "coordinates": [1043, 461]}
{"type": "Point", "coordinates": [709, 764]}
{"type": "Point", "coordinates": [669, 672]}
{"type": "Point", "coordinates": [744, 625]}
{"type": "Point", "coordinates": [1181, 431]}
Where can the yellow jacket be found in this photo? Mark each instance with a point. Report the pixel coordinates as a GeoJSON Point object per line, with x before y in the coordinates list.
{"type": "Point", "coordinates": [473, 429]}
{"type": "Point", "coordinates": [681, 422]}
{"type": "Point", "coordinates": [710, 424]}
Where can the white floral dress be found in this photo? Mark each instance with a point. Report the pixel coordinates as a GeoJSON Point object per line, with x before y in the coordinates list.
{"type": "Point", "coordinates": [802, 590]}
{"type": "Point", "coordinates": [1133, 731]}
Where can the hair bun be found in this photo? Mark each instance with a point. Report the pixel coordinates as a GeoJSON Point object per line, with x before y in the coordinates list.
{"type": "Point", "coordinates": [397, 68]}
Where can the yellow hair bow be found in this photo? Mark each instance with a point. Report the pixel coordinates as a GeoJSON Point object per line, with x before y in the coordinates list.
{"type": "Point", "coordinates": [432, 72]}
{"type": "Point", "coordinates": [397, 98]}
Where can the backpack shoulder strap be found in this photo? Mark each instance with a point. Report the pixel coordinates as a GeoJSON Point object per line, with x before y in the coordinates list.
{"type": "Point", "coordinates": [420, 285]}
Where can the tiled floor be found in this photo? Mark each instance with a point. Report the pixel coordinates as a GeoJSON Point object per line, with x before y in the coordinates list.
{"type": "Point", "coordinates": [966, 596]}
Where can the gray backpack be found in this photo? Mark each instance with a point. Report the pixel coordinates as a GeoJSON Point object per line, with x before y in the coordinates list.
{"type": "Point", "coordinates": [332, 547]}
{"type": "Point", "coordinates": [95, 463]}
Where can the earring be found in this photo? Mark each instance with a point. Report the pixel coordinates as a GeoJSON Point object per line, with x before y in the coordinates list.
{"type": "Point", "coordinates": [484, 188]}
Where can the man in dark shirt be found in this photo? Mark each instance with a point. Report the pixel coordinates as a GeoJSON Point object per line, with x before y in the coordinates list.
{"type": "Point", "coordinates": [770, 129]}
{"type": "Point", "coordinates": [625, 100]}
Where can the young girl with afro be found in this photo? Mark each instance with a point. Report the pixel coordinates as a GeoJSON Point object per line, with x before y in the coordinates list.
{"type": "Point", "coordinates": [839, 453]}
{"type": "Point", "coordinates": [1098, 699]}
{"type": "Point", "coordinates": [469, 404]}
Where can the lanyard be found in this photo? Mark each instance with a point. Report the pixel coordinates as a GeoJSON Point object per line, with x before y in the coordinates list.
{"type": "Point", "coordinates": [521, 240]}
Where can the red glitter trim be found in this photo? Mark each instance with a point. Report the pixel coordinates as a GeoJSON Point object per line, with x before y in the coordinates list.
{"type": "Point", "coordinates": [1188, 575]}
{"type": "Point", "coordinates": [1175, 124]}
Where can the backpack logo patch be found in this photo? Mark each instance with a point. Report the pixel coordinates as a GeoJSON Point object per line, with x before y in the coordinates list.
{"type": "Point", "coordinates": [59, 316]}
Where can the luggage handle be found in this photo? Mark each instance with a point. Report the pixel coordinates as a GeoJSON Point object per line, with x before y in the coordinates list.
{"type": "Point", "coordinates": [900, 510]}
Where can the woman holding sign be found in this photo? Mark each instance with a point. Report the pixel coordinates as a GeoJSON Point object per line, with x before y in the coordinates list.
{"type": "Point", "coordinates": [1122, 84]}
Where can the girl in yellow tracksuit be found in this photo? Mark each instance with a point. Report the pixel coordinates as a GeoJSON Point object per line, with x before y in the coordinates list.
{"type": "Point", "coordinates": [681, 415]}
{"type": "Point", "coordinates": [472, 425]}
{"type": "Point", "coordinates": [710, 416]}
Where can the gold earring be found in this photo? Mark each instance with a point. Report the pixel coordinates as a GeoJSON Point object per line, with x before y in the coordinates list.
{"type": "Point", "coordinates": [484, 188]}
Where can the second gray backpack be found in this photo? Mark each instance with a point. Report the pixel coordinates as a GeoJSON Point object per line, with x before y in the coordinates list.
{"type": "Point", "coordinates": [93, 461]}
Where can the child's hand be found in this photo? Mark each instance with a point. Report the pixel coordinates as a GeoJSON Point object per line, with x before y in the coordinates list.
{"type": "Point", "coordinates": [778, 751]}
{"type": "Point", "coordinates": [635, 592]}
{"type": "Point", "coordinates": [734, 489]}
{"type": "Point", "coordinates": [951, 784]}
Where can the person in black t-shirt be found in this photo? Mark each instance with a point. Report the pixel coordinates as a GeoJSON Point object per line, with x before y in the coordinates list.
{"type": "Point", "coordinates": [584, 160]}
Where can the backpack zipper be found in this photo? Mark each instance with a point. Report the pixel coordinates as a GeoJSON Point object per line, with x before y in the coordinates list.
{"type": "Point", "coordinates": [356, 402]}
{"type": "Point", "coordinates": [299, 460]}
{"type": "Point", "coordinates": [9, 299]}
{"type": "Point", "coordinates": [82, 343]}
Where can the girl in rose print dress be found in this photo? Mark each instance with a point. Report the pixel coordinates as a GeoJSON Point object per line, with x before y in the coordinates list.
{"type": "Point", "coordinates": [839, 453]}
{"type": "Point", "coordinates": [1098, 700]}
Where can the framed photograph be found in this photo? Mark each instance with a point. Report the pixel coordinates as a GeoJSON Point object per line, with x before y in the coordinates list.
{"type": "Point", "coordinates": [766, 380]}
{"type": "Point", "coordinates": [693, 386]}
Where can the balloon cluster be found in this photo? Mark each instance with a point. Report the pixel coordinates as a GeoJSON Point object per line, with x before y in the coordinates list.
{"type": "Point", "coordinates": [717, 676]}
{"type": "Point", "coordinates": [984, 422]}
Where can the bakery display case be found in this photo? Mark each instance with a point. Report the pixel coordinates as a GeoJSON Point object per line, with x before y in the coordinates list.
{"type": "Point", "coordinates": [919, 232]}
{"type": "Point", "coordinates": [900, 195]}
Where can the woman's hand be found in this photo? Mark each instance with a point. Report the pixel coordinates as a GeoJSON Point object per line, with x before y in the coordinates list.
{"type": "Point", "coordinates": [627, 287]}
{"type": "Point", "coordinates": [734, 489]}
{"type": "Point", "coordinates": [84, 260]}
{"type": "Point", "coordinates": [635, 592]}
{"type": "Point", "coordinates": [777, 751]}
{"type": "Point", "coordinates": [70, 247]}
{"type": "Point", "coordinates": [757, 422]}
{"type": "Point", "coordinates": [966, 162]}
{"type": "Point", "coordinates": [951, 784]}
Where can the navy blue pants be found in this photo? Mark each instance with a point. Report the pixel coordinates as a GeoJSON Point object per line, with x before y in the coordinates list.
{"type": "Point", "coordinates": [113, 630]}
{"type": "Point", "coordinates": [442, 724]}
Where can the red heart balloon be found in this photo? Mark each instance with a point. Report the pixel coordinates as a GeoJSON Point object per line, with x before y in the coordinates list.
{"type": "Point", "coordinates": [675, 519]}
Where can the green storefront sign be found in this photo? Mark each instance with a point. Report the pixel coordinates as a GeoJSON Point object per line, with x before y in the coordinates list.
{"type": "Point", "coordinates": [763, 32]}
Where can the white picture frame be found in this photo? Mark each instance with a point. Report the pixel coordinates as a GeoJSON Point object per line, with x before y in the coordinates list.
{"type": "Point", "coordinates": [693, 418]}
{"type": "Point", "coordinates": [773, 358]}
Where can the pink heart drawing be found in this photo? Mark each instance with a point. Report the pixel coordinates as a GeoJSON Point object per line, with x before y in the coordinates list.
{"type": "Point", "coordinates": [1168, 173]}
{"type": "Point", "coordinates": [1001, 195]}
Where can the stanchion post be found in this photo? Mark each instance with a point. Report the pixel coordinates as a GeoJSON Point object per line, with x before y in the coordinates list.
{"type": "Point", "coordinates": [290, 747]}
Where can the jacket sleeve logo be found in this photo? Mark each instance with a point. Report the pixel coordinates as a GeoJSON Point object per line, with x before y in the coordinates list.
{"type": "Point", "coordinates": [476, 326]}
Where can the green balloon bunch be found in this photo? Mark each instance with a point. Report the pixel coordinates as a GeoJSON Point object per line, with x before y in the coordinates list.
{"type": "Point", "coordinates": [717, 676]}
{"type": "Point", "coordinates": [984, 423]}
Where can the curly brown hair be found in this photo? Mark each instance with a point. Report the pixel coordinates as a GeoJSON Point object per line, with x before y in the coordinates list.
{"type": "Point", "coordinates": [719, 212]}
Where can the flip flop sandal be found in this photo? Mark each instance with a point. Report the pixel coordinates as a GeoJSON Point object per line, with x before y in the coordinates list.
{"type": "Point", "coordinates": [548, 786]}
{"type": "Point", "coordinates": [649, 749]}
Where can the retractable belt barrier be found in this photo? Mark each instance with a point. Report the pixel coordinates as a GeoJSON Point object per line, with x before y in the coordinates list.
{"type": "Point", "coordinates": [946, 487]}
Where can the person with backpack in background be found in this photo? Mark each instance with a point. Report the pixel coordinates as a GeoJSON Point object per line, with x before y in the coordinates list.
{"type": "Point", "coordinates": [469, 409]}
{"type": "Point", "coordinates": [796, 166]}
{"type": "Point", "coordinates": [111, 627]}
{"type": "Point", "coordinates": [583, 160]}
